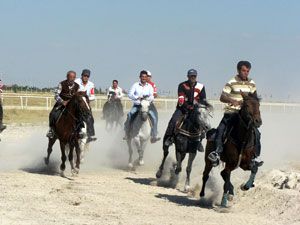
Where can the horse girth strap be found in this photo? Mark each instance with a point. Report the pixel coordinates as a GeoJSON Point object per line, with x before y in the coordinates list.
{"type": "Point", "coordinates": [179, 130]}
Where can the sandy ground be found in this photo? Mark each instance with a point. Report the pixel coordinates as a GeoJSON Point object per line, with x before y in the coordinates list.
{"type": "Point", "coordinates": [106, 193]}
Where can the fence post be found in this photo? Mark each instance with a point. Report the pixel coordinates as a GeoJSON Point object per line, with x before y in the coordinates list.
{"type": "Point", "coordinates": [21, 100]}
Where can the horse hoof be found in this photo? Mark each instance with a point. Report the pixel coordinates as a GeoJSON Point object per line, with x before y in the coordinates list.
{"type": "Point", "coordinates": [130, 165]}
{"type": "Point", "coordinates": [75, 171]}
{"type": "Point", "coordinates": [202, 194]}
{"type": "Point", "coordinates": [46, 161]}
{"type": "Point", "coordinates": [230, 198]}
{"type": "Point", "coordinates": [141, 162]}
{"type": "Point", "coordinates": [62, 174]}
{"type": "Point", "coordinates": [187, 188]}
{"type": "Point", "coordinates": [177, 171]}
{"type": "Point", "coordinates": [244, 187]}
{"type": "Point", "coordinates": [159, 174]}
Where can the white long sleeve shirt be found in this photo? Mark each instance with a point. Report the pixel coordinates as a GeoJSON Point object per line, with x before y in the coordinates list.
{"type": "Point", "coordinates": [89, 87]}
{"type": "Point", "coordinates": [139, 91]}
{"type": "Point", "coordinates": [118, 91]}
{"type": "Point", "coordinates": [1, 86]}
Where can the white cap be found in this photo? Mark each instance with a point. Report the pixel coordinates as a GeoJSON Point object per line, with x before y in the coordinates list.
{"type": "Point", "coordinates": [149, 73]}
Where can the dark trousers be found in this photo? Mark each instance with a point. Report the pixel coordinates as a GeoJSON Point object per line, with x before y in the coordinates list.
{"type": "Point", "coordinates": [172, 123]}
{"type": "Point", "coordinates": [90, 125]}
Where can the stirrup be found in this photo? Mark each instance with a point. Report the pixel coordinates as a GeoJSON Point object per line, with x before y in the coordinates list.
{"type": "Point", "coordinates": [214, 158]}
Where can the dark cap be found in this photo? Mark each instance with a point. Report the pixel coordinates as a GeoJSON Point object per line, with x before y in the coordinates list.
{"type": "Point", "coordinates": [192, 72]}
{"type": "Point", "coordinates": [86, 72]}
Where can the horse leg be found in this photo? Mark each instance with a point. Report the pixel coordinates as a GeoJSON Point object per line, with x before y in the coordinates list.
{"type": "Point", "coordinates": [78, 157]}
{"type": "Point", "coordinates": [130, 161]}
{"type": "Point", "coordinates": [179, 157]}
{"type": "Point", "coordinates": [71, 157]}
{"type": "Point", "coordinates": [161, 167]}
{"type": "Point", "coordinates": [143, 144]}
{"type": "Point", "coordinates": [250, 183]}
{"type": "Point", "coordinates": [228, 187]}
{"type": "Point", "coordinates": [49, 149]}
{"type": "Point", "coordinates": [189, 170]}
{"type": "Point", "coordinates": [205, 176]}
{"type": "Point", "coordinates": [63, 158]}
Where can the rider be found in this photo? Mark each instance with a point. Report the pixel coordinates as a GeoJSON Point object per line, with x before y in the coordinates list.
{"type": "Point", "coordinates": [190, 92]}
{"type": "Point", "coordinates": [232, 97]}
{"type": "Point", "coordinates": [117, 97]}
{"type": "Point", "coordinates": [2, 126]}
{"type": "Point", "coordinates": [85, 85]}
{"type": "Point", "coordinates": [152, 106]}
{"type": "Point", "coordinates": [64, 93]}
{"type": "Point", "coordinates": [138, 91]}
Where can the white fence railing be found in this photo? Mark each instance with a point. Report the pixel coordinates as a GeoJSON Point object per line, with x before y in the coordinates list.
{"type": "Point", "coordinates": [36, 102]}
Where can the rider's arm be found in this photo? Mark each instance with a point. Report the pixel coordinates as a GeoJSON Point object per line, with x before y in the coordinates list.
{"type": "Point", "coordinates": [225, 96]}
{"type": "Point", "coordinates": [202, 97]}
{"type": "Point", "coordinates": [132, 93]}
{"type": "Point", "coordinates": [92, 93]}
{"type": "Point", "coordinates": [151, 93]}
{"type": "Point", "coordinates": [181, 95]}
{"type": "Point", "coordinates": [120, 93]}
{"type": "Point", "coordinates": [57, 93]}
{"type": "Point", "coordinates": [1, 86]}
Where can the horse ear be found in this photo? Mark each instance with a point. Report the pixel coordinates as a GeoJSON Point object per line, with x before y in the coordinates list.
{"type": "Point", "coordinates": [244, 95]}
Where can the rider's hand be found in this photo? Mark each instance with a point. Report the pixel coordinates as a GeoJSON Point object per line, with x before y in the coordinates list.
{"type": "Point", "coordinates": [236, 103]}
{"type": "Point", "coordinates": [65, 103]}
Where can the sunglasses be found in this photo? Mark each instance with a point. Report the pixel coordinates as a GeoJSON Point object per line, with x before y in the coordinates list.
{"type": "Point", "coordinates": [85, 75]}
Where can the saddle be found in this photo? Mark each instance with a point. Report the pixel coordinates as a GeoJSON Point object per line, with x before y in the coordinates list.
{"type": "Point", "coordinates": [180, 130]}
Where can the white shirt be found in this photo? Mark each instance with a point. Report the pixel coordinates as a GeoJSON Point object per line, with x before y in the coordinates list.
{"type": "Point", "coordinates": [118, 91]}
{"type": "Point", "coordinates": [139, 91]}
{"type": "Point", "coordinates": [1, 86]}
{"type": "Point", "coordinates": [89, 87]}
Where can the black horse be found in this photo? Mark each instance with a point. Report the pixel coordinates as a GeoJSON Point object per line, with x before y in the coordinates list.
{"type": "Point", "coordinates": [239, 148]}
{"type": "Point", "coordinates": [189, 132]}
{"type": "Point", "coordinates": [113, 111]}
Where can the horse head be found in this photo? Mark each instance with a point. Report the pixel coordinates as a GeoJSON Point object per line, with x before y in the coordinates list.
{"type": "Point", "coordinates": [111, 96]}
{"type": "Point", "coordinates": [250, 112]}
{"type": "Point", "coordinates": [144, 110]}
{"type": "Point", "coordinates": [202, 114]}
{"type": "Point", "coordinates": [81, 105]}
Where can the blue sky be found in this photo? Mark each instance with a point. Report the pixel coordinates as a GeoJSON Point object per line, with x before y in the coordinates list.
{"type": "Point", "coordinates": [40, 40]}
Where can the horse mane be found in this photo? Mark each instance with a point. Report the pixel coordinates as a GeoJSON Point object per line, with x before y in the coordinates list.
{"type": "Point", "coordinates": [253, 96]}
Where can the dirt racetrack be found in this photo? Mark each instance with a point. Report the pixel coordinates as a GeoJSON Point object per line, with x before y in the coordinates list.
{"type": "Point", "coordinates": [106, 193]}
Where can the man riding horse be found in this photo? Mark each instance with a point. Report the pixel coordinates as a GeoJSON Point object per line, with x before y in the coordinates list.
{"type": "Point", "coordinates": [66, 90]}
{"type": "Point", "coordinates": [2, 126]}
{"type": "Point", "coordinates": [152, 106]}
{"type": "Point", "coordinates": [231, 95]}
{"type": "Point", "coordinates": [190, 92]}
{"type": "Point", "coordinates": [114, 93]}
{"type": "Point", "coordinates": [85, 85]}
{"type": "Point", "coordinates": [141, 90]}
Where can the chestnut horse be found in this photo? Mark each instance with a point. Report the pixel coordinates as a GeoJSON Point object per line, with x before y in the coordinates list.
{"type": "Point", "coordinates": [239, 147]}
{"type": "Point", "coordinates": [66, 130]}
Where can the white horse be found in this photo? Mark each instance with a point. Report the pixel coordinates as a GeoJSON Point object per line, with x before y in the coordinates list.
{"type": "Point", "coordinates": [140, 133]}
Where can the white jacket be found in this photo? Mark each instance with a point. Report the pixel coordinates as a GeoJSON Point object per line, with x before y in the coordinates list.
{"type": "Point", "coordinates": [89, 87]}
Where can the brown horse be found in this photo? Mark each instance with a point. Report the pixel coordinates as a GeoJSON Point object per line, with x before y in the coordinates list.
{"type": "Point", "coordinates": [66, 130]}
{"type": "Point", "coordinates": [239, 147]}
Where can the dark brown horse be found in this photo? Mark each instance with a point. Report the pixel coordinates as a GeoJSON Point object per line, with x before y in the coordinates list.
{"type": "Point", "coordinates": [66, 130]}
{"type": "Point", "coordinates": [239, 148]}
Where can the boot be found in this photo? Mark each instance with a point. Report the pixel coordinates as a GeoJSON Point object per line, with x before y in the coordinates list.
{"type": "Point", "coordinates": [2, 127]}
{"type": "Point", "coordinates": [50, 134]}
{"type": "Point", "coordinates": [154, 139]}
{"type": "Point", "coordinates": [200, 147]}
